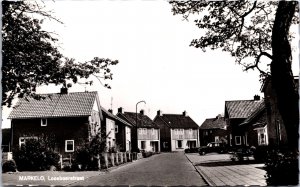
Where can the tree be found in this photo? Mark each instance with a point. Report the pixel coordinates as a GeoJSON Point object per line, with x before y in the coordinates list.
{"type": "Point", "coordinates": [251, 31]}
{"type": "Point", "coordinates": [31, 58]}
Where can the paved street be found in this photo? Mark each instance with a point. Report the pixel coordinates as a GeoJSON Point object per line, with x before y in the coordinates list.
{"type": "Point", "coordinates": [165, 169]}
{"type": "Point", "coordinates": [219, 170]}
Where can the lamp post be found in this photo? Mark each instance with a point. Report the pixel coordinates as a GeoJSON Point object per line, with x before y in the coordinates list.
{"type": "Point", "coordinates": [136, 122]}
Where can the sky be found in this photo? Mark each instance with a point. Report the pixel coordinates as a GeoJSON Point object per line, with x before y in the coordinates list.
{"type": "Point", "coordinates": [156, 63]}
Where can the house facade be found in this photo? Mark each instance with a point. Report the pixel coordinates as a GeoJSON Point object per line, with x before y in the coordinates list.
{"type": "Point", "coordinates": [275, 127]}
{"type": "Point", "coordinates": [145, 134]}
{"type": "Point", "coordinates": [255, 127]}
{"type": "Point", "coordinates": [213, 130]}
{"type": "Point", "coordinates": [67, 120]}
{"type": "Point", "coordinates": [117, 131]}
{"type": "Point", "coordinates": [178, 131]}
{"type": "Point", "coordinates": [236, 112]}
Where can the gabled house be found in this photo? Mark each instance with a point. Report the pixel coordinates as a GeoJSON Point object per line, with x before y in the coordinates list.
{"type": "Point", "coordinates": [213, 130]}
{"type": "Point", "coordinates": [66, 119]}
{"type": "Point", "coordinates": [236, 112]}
{"type": "Point", "coordinates": [117, 131]}
{"type": "Point", "coordinates": [178, 131]}
{"type": "Point", "coordinates": [255, 127]}
{"type": "Point", "coordinates": [276, 130]}
{"type": "Point", "coordinates": [145, 134]}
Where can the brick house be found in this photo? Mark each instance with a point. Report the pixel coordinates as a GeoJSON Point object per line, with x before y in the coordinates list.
{"type": "Point", "coordinates": [178, 131]}
{"type": "Point", "coordinates": [68, 119]}
{"type": "Point", "coordinates": [145, 134]}
{"type": "Point", "coordinates": [236, 112]}
{"type": "Point", "coordinates": [213, 130]}
{"type": "Point", "coordinates": [276, 129]}
{"type": "Point", "coordinates": [117, 131]}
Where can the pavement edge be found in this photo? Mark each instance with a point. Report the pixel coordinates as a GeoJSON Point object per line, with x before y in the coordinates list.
{"type": "Point", "coordinates": [207, 180]}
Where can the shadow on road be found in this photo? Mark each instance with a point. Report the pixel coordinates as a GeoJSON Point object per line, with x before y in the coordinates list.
{"type": "Point", "coordinates": [227, 163]}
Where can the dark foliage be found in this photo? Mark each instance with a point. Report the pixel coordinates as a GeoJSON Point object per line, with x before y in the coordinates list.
{"type": "Point", "coordinates": [87, 155]}
{"type": "Point", "coordinates": [35, 156]}
{"type": "Point", "coordinates": [260, 153]}
{"type": "Point", "coordinates": [282, 168]}
{"type": "Point", "coordinates": [9, 166]}
{"type": "Point", "coordinates": [31, 58]}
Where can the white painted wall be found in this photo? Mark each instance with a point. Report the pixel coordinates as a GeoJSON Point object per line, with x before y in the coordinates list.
{"type": "Point", "coordinates": [110, 133]}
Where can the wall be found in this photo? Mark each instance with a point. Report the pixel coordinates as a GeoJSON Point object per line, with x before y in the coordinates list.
{"type": "Point", "coordinates": [60, 129]}
{"type": "Point", "coordinates": [110, 133]}
{"type": "Point", "coordinates": [148, 134]}
{"type": "Point", "coordinates": [185, 135]}
{"type": "Point", "coordinates": [165, 134]}
{"type": "Point", "coordinates": [208, 135]}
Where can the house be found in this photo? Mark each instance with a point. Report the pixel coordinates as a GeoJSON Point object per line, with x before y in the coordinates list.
{"type": "Point", "coordinates": [117, 131]}
{"type": "Point", "coordinates": [178, 131]}
{"type": "Point", "coordinates": [213, 130]}
{"type": "Point", "coordinates": [145, 134]}
{"type": "Point", "coordinates": [255, 127]}
{"type": "Point", "coordinates": [67, 120]}
{"type": "Point", "coordinates": [236, 112]}
{"type": "Point", "coordinates": [276, 130]}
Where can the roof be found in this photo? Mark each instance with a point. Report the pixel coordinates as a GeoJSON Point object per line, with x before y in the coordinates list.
{"type": "Point", "coordinates": [214, 123]}
{"type": "Point", "coordinates": [178, 121]}
{"type": "Point", "coordinates": [55, 105]}
{"type": "Point", "coordinates": [115, 117]}
{"type": "Point", "coordinates": [258, 118]}
{"type": "Point", "coordinates": [241, 108]}
{"type": "Point", "coordinates": [143, 120]}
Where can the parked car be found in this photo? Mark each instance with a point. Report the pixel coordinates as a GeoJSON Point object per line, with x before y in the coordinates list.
{"type": "Point", "coordinates": [213, 147]}
{"type": "Point", "coordinates": [192, 150]}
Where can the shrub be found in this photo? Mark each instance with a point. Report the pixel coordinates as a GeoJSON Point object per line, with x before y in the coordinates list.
{"type": "Point", "coordinates": [260, 153]}
{"type": "Point", "coordinates": [9, 166]}
{"type": "Point", "coordinates": [282, 168]}
{"type": "Point", "coordinates": [35, 156]}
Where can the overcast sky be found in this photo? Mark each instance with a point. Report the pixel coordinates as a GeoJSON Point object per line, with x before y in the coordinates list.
{"type": "Point", "coordinates": [156, 63]}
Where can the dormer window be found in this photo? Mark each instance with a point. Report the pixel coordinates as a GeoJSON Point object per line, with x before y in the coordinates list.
{"type": "Point", "coordinates": [43, 122]}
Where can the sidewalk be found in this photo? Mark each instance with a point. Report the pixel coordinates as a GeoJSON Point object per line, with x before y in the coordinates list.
{"type": "Point", "coordinates": [53, 178]}
{"type": "Point", "coordinates": [219, 170]}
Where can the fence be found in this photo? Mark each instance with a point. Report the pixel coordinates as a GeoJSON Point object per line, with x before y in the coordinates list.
{"type": "Point", "coordinates": [107, 160]}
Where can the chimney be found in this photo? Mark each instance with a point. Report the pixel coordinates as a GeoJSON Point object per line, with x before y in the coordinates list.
{"type": "Point", "coordinates": [184, 113]}
{"type": "Point", "coordinates": [120, 110]}
{"type": "Point", "coordinates": [64, 90]}
{"type": "Point", "coordinates": [110, 110]}
{"type": "Point", "coordinates": [142, 112]}
{"type": "Point", "coordinates": [159, 113]}
{"type": "Point", "coordinates": [256, 97]}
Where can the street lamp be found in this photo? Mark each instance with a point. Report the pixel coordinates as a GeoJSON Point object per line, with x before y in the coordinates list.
{"type": "Point", "coordinates": [136, 123]}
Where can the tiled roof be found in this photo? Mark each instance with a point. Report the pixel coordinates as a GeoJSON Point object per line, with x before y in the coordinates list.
{"type": "Point", "coordinates": [143, 120]}
{"type": "Point", "coordinates": [258, 118]}
{"type": "Point", "coordinates": [55, 105]}
{"type": "Point", "coordinates": [241, 108]}
{"type": "Point", "coordinates": [214, 123]}
{"type": "Point", "coordinates": [115, 117]}
{"type": "Point", "coordinates": [178, 121]}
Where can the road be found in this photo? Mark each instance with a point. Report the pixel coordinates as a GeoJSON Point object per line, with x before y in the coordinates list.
{"type": "Point", "coordinates": [165, 169]}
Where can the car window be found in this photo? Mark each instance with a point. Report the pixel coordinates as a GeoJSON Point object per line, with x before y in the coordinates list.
{"type": "Point", "coordinates": [209, 145]}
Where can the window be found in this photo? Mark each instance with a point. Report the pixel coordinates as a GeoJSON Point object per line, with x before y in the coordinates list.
{"type": "Point", "coordinates": [69, 145]}
{"type": "Point", "coordinates": [43, 122]}
{"type": "Point", "coordinates": [217, 139]}
{"type": "Point", "coordinates": [176, 131]}
{"type": "Point", "coordinates": [179, 143]}
{"type": "Point", "coordinates": [145, 131]}
{"type": "Point", "coordinates": [165, 144]}
{"type": "Point", "coordinates": [153, 131]}
{"type": "Point", "coordinates": [238, 140]}
{"type": "Point", "coordinates": [116, 128]}
{"type": "Point", "coordinates": [191, 130]}
{"type": "Point", "coordinates": [206, 133]}
{"type": "Point", "coordinates": [143, 144]}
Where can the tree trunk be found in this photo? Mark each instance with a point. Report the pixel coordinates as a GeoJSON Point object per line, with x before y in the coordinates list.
{"type": "Point", "coordinates": [281, 72]}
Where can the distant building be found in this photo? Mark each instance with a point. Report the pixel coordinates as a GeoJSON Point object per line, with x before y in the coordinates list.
{"type": "Point", "coordinates": [117, 131]}
{"type": "Point", "coordinates": [178, 131]}
{"type": "Point", "coordinates": [67, 119]}
{"type": "Point", "coordinates": [145, 134]}
{"type": "Point", "coordinates": [213, 130]}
